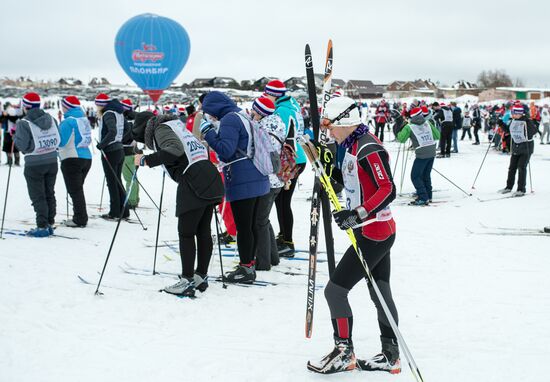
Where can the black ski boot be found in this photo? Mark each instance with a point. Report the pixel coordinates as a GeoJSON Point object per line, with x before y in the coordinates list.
{"type": "Point", "coordinates": [387, 360]}
{"type": "Point", "coordinates": [242, 274]}
{"type": "Point", "coordinates": [341, 358]}
{"type": "Point", "coordinates": [286, 249]}
{"type": "Point", "coordinates": [201, 282]}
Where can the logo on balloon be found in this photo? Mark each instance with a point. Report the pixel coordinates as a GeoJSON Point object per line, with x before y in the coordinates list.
{"type": "Point", "coordinates": [147, 54]}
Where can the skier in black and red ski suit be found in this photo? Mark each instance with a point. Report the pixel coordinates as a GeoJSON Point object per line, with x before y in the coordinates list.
{"type": "Point", "coordinates": [369, 186]}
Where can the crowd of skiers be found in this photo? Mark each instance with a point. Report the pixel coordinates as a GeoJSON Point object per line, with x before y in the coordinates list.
{"type": "Point", "coordinates": [245, 162]}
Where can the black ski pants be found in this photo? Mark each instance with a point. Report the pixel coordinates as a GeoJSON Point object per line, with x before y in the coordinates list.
{"type": "Point", "coordinates": [41, 187]}
{"type": "Point", "coordinates": [466, 130]}
{"type": "Point", "coordinates": [379, 130]}
{"type": "Point", "coordinates": [518, 162]}
{"type": "Point", "coordinates": [112, 167]}
{"type": "Point", "coordinates": [266, 250]}
{"type": "Point", "coordinates": [195, 224]}
{"type": "Point", "coordinates": [248, 233]}
{"type": "Point", "coordinates": [446, 138]}
{"type": "Point", "coordinates": [74, 172]}
{"type": "Point", "coordinates": [284, 208]}
{"type": "Point", "coordinates": [349, 272]}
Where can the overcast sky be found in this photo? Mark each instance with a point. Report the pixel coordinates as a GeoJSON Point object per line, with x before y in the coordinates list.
{"type": "Point", "coordinates": [380, 40]}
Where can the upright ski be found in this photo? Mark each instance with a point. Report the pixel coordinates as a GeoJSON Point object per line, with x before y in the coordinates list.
{"type": "Point", "coordinates": [319, 197]}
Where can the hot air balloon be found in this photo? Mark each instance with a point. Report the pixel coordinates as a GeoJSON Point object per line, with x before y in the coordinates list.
{"type": "Point", "coordinates": [152, 50]}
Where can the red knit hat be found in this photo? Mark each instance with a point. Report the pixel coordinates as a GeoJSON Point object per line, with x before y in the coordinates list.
{"type": "Point", "coordinates": [518, 110]}
{"type": "Point", "coordinates": [338, 93]}
{"type": "Point", "coordinates": [70, 102]}
{"type": "Point", "coordinates": [425, 110]}
{"type": "Point", "coordinates": [263, 106]}
{"type": "Point", "coordinates": [275, 88]}
{"type": "Point", "coordinates": [127, 104]}
{"type": "Point", "coordinates": [415, 111]}
{"type": "Point", "coordinates": [102, 99]}
{"type": "Point", "coordinates": [31, 100]}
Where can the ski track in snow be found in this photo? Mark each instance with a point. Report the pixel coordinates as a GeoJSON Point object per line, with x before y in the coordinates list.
{"type": "Point", "coordinates": [469, 305]}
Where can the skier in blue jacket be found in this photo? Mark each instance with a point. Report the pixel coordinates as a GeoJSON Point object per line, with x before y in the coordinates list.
{"type": "Point", "coordinates": [289, 110]}
{"type": "Point", "coordinates": [76, 159]}
{"type": "Point", "coordinates": [224, 130]}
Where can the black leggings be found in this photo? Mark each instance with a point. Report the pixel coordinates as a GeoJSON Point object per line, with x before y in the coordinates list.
{"type": "Point", "coordinates": [112, 167]}
{"type": "Point", "coordinates": [379, 131]}
{"type": "Point", "coordinates": [195, 223]}
{"type": "Point", "coordinates": [518, 163]}
{"type": "Point", "coordinates": [284, 208]}
{"type": "Point", "coordinates": [349, 272]}
{"type": "Point", "coordinates": [244, 214]}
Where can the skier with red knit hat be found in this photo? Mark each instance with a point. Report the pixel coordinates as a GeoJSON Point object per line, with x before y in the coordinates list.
{"type": "Point", "coordinates": [112, 127]}
{"type": "Point", "coordinates": [37, 136]}
{"type": "Point", "coordinates": [522, 129]}
{"type": "Point", "coordinates": [424, 136]}
{"type": "Point", "coordinates": [130, 149]}
{"type": "Point", "coordinates": [288, 109]}
{"type": "Point", "coordinates": [267, 253]}
{"type": "Point", "coordinates": [76, 159]}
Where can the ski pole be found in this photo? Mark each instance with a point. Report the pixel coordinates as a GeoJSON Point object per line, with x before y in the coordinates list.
{"type": "Point", "coordinates": [483, 161]}
{"type": "Point", "coordinates": [529, 163]}
{"type": "Point", "coordinates": [219, 247]}
{"type": "Point", "coordinates": [7, 189]}
{"type": "Point", "coordinates": [122, 186]}
{"type": "Point", "coordinates": [97, 292]}
{"type": "Point", "coordinates": [67, 203]}
{"type": "Point", "coordinates": [311, 153]}
{"type": "Point", "coordinates": [404, 168]}
{"type": "Point", "coordinates": [397, 160]}
{"type": "Point", "coordinates": [453, 183]}
{"type": "Point", "coordinates": [139, 220]}
{"type": "Point", "coordinates": [158, 224]}
{"type": "Point", "coordinates": [101, 200]}
{"type": "Point", "coordinates": [146, 193]}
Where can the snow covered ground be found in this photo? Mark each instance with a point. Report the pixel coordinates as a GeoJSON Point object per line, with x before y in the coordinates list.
{"type": "Point", "coordinates": [472, 307]}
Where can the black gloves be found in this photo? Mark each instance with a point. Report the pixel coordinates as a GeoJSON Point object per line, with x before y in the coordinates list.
{"type": "Point", "coordinates": [346, 218]}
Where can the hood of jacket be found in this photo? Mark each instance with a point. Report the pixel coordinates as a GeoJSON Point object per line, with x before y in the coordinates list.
{"type": "Point", "coordinates": [418, 119]}
{"type": "Point", "coordinates": [114, 105]}
{"type": "Point", "coordinates": [40, 118]}
{"type": "Point", "coordinates": [152, 125]}
{"type": "Point", "coordinates": [74, 112]}
{"type": "Point", "coordinates": [140, 123]}
{"type": "Point", "coordinates": [218, 105]}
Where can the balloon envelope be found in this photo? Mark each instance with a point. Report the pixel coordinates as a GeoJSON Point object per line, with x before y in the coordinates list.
{"type": "Point", "coordinates": [152, 50]}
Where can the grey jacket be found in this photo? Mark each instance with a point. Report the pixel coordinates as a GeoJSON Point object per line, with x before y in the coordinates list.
{"type": "Point", "coordinates": [25, 142]}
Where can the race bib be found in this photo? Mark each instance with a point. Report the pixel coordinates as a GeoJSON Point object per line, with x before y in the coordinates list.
{"type": "Point", "coordinates": [194, 149]}
{"type": "Point", "coordinates": [423, 134]}
{"type": "Point", "coordinates": [45, 141]}
{"type": "Point", "coordinates": [518, 131]}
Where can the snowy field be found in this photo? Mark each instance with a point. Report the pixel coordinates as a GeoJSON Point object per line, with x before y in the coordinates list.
{"type": "Point", "coordinates": [472, 306]}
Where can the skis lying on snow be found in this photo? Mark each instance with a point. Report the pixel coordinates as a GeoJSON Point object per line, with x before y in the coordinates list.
{"type": "Point", "coordinates": [502, 197]}
{"type": "Point", "coordinates": [149, 272]}
{"type": "Point", "coordinates": [509, 231]}
{"type": "Point", "coordinates": [230, 251]}
{"type": "Point", "coordinates": [88, 282]}
{"type": "Point", "coordinates": [127, 220]}
{"type": "Point", "coordinates": [22, 232]}
{"type": "Point", "coordinates": [433, 203]}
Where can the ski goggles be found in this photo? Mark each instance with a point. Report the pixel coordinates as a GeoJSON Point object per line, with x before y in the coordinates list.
{"type": "Point", "coordinates": [328, 121]}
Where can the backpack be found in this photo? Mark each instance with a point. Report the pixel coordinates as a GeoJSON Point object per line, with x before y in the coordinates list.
{"type": "Point", "coordinates": [287, 157]}
{"type": "Point", "coordinates": [260, 148]}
